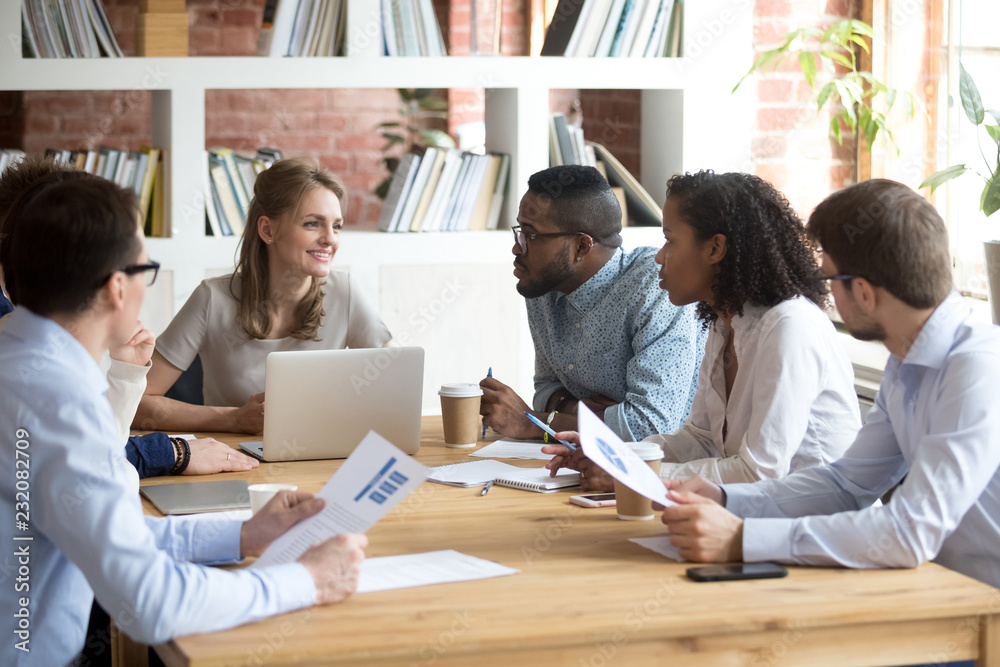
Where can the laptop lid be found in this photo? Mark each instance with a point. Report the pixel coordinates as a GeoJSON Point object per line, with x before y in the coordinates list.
{"type": "Point", "coordinates": [320, 404]}
{"type": "Point", "coordinates": [192, 497]}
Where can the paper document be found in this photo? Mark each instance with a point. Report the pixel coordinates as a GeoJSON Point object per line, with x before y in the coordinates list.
{"type": "Point", "coordinates": [606, 449]}
{"type": "Point", "coordinates": [661, 545]}
{"type": "Point", "coordinates": [370, 483]}
{"type": "Point", "coordinates": [514, 449]}
{"type": "Point", "coordinates": [433, 567]}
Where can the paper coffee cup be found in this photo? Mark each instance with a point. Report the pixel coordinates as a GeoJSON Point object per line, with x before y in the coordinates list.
{"type": "Point", "coordinates": [260, 494]}
{"type": "Point", "coordinates": [460, 413]}
{"type": "Point", "coordinates": [633, 506]}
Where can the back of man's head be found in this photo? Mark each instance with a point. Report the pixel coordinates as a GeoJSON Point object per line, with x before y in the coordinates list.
{"type": "Point", "coordinates": [15, 180]}
{"type": "Point", "coordinates": [69, 234]}
{"type": "Point", "coordinates": [580, 200]}
{"type": "Point", "coordinates": [889, 235]}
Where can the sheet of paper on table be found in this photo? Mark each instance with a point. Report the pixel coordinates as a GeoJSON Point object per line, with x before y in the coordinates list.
{"type": "Point", "coordinates": [606, 449]}
{"type": "Point", "coordinates": [372, 481]}
{"type": "Point", "coordinates": [508, 448]}
{"type": "Point", "coordinates": [661, 545]}
{"type": "Point", "coordinates": [433, 567]}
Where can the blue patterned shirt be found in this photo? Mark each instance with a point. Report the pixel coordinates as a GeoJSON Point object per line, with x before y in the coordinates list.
{"type": "Point", "coordinates": [618, 335]}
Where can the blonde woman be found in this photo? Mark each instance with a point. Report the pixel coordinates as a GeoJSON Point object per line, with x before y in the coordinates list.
{"type": "Point", "coordinates": [283, 296]}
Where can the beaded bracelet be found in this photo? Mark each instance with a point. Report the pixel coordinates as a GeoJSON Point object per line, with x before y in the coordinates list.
{"type": "Point", "coordinates": [182, 455]}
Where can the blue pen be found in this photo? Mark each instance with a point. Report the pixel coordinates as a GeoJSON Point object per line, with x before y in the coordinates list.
{"type": "Point", "coordinates": [541, 425]}
{"type": "Point", "coordinates": [489, 374]}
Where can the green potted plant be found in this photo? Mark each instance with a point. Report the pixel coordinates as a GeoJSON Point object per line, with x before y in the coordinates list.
{"type": "Point", "coordinates": [864, 100]}
{"type": "Point", "coordinates": [419, 106]}
{"type": "Point", "coordinates": [989, 199]}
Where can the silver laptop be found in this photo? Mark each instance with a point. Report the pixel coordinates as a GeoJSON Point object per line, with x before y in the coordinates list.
{"type": "Point", "coordinates": [321, 404]}
{"type": "Point", "coordinates": [193, 497]}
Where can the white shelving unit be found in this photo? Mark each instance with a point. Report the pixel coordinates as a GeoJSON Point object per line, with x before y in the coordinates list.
{"type": "Point", "coordinates": [689, 121]}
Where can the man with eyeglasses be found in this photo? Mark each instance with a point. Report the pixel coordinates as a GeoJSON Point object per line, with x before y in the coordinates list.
{"type": "Point", "coordinates": [77, 271]}
{"type": "Point", "coordinates": [935, 424]}
{"type": "Point", "coordinates": [605, 334]}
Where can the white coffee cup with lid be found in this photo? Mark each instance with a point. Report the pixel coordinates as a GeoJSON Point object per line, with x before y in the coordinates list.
{"type": "Point", "coordinates": [460, 413]}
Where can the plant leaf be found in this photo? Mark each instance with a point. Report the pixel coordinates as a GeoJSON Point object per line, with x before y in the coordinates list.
{"type": "Point", "coordinates": [995, 114]}
{"type": "Point", "coordinates": [389, 124]}
{"type": "Point", "coordinates": [405, 94]}
{"type": "Point", "coordinates": [862, 28]}
{"type": "Point", "coordinates": [421, 93]}
{"type": "Point", "coordinates": [835, 129]}
{"type": "Point", "coordinates": [936, 179]}
{"type": "Point", "coordinates": [393, 139]}
{"type": "Point", "coordinates": [860, 41]}
{"type": "Point", "coordinates": [990, 201]}
{"type": "Point", "coordinates": [838, 57]}
{"type": "Point", "coordinates": [994, 131]}
{"type": "Point", "coordinates": [850, 117]}
{"type": "Point", "coordinates": [824, 94]}
{"type": "Point", "coordinates": [972, 103]}
{"type": "Point", "coordinates": [807, 61]}
{"type": "Point", "coordinates": [437, 138]}
{"type": "Point", "coordinates": [433, 103]}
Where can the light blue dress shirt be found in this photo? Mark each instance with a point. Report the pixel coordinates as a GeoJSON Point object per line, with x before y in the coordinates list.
{"type": "Point", "coordinates": [618, 335]}
{"type": "Point", "coordinates": [88, 535]}
{"type": "Point", "coordinates": [936, 420]}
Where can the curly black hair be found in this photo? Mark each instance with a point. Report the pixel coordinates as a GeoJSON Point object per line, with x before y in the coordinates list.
{"type": "Point", "coordinates": [768, 257]}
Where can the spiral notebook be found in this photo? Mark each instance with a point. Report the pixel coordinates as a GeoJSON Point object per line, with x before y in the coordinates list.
{"type": "Point", "coordinates": [478, 473]}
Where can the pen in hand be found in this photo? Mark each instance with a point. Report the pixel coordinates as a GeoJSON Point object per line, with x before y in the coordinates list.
{"type": "Point", "coordinates": [489, 374]}
{"type": "Point", "coordinates": [540, 424]}
{"type": "Point", "coordinates": [486, 489]}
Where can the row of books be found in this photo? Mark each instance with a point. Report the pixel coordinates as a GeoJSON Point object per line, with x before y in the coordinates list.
{"type": "Point", "coordinates": [445, 190]}
{"type": "Point", "coordinates": [302, 28]}
{"type": "Point", "coordinates": [67, 29]}
{"type": "Point", "coordinates": [410, 28]}
{"type": "Point", "coordinates": [229, 181]}
{"type": "Point", "coordinates": [567, 146]}
{"type": "Point", "coordinates": [615, 28]}
{"type": "Point", "coordinates": [140, 171]}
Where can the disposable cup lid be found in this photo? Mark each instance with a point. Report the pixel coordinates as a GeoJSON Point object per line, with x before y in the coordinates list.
{"type": "Point", "coordinates": [647, 451]}
{"type": "Point", "coordinates": [460, 390]}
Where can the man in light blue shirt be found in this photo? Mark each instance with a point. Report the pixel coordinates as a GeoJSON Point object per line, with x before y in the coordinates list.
{"type": "Point", "coordinates": [605, 334]}
{"type": "Point", "coordinates": [935, 427]}
{"type": "Point", "coordinates": [75, 528]}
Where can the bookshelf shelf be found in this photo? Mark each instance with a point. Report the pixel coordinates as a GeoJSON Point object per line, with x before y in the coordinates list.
{"type": "Point", "coordinates": [689, 121]}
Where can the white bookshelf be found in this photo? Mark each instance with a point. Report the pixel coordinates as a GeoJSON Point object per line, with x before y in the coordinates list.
{"type": "Point", "coordinates": [689, 121]}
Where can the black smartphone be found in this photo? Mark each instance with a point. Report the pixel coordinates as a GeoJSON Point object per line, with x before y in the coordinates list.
{"type": "Point", "coordinates": [737, 571]}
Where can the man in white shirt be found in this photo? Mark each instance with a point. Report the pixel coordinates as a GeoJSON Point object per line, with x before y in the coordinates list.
{"type": "Point", "coordinates": [935, 426]}
{"type": "Point", "coordinates": [78, 271]}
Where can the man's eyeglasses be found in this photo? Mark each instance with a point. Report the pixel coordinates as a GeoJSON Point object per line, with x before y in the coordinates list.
{"type": "Point", "coordinates": [522, 237]}
{"type": "Point", "coordinates": [133, 269]}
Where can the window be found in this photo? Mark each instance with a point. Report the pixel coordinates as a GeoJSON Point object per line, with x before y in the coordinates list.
{"type": "Point", "coordinates": [923, 43]}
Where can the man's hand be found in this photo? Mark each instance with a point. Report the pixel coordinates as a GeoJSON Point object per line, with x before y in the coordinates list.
{"type": "Point", "coordinates": [598, 404]}
{"type": "Point", "coordinates": [702, 530]}
{"type": "Point", "coordinates": [249, 417]}
{"type": "Point", "coordinates": [208, 456]}
{"type": "Point", "coordinates": [697, 485]}
{"type": "Point", "coordinates": [138, 349]}
{"type": "Point", "coordinates": [335, 566]}
{"type": "Point", "coordinates": [503, 411]}
{"type": "Point", "coordinates": [592, 477]}
{"type": "Point", "coordinates": [280, 513]}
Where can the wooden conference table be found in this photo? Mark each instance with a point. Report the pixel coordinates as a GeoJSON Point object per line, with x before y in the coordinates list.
{"type": "Point", "coordinates": [588, 597]}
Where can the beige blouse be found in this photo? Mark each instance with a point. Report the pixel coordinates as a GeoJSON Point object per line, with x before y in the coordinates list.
{"type": "Point", "coordinates": [233, 362]}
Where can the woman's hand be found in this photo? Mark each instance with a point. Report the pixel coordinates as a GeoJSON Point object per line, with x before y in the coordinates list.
{"type": "Point", "coordinates": [592, 477]}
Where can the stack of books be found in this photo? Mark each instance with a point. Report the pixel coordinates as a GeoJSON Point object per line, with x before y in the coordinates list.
{"type": "Point", "coordinates": [446, 190]}
{"type": "Point", "coordinates": [140, 171]}
{"type": "Point", "coordinates": [302, 28]}
{"type": "Point", "coordinates": [616, 28]}
{"type": "Point", "coordinates": [410, 28]}
{"type": "Point", "coordinates": [67, 29]}
{"type": "Point", "coordinates": [567, 146]}
{"type": "Point", "coordinates": [229, 181]}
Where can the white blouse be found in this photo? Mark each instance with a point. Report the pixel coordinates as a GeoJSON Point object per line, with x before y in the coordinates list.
{"type": "Point", "coordinates": [793, 404]}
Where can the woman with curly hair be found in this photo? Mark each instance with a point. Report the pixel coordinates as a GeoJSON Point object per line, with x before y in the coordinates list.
{"type": "Point", "coordinates": [775, 389]}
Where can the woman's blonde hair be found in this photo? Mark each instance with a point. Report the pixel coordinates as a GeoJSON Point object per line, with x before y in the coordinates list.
{"type": "Point", "coordinates": [277, 193]}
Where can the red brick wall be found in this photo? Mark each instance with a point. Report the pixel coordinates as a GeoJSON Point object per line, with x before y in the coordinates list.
{"type": "Point", "coordinates": [791, 146]}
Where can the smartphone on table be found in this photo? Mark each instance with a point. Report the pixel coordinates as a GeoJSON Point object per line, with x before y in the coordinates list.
{"type": "Point", "coordinates": [737, 572]}
{"type": "Point", "coordinates": [594, 500]}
